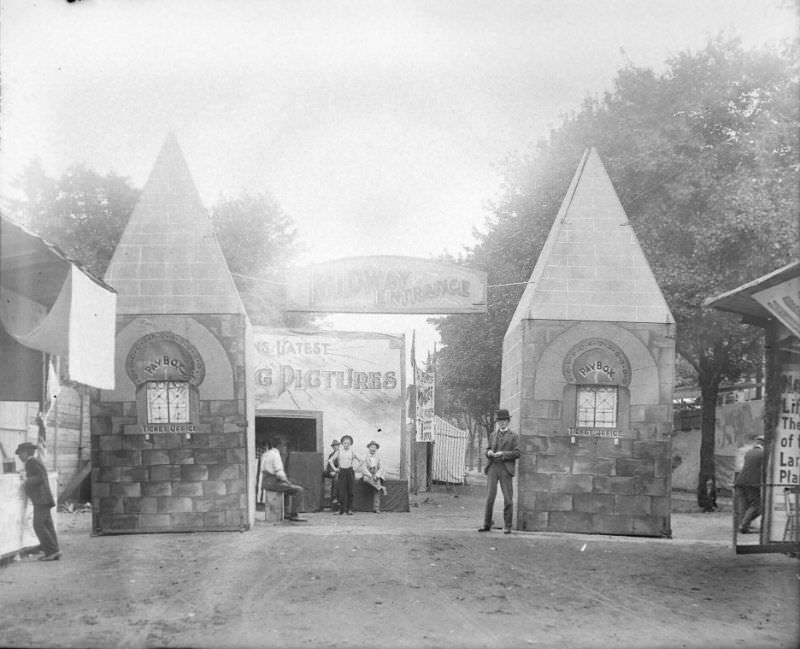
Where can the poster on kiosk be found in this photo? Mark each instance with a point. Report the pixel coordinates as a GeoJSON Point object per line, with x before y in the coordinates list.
{"type": "Point", "coordinates": [784, 468]}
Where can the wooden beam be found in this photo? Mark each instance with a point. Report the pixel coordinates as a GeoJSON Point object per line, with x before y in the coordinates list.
{"type": "Point", "coordinates": [73, 484]}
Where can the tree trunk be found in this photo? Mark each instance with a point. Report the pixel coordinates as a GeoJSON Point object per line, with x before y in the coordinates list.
{"type": "Point", "coordinates": [706, 481]}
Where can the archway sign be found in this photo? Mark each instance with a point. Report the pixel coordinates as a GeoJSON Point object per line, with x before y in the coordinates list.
{"type": "Point", "coordinates": [386, 284]}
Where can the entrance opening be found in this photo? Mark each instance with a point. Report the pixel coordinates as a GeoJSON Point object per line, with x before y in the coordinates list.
{"type": "Point", "coordinates": [300, 436]}
{"type": "Point", "coordinates": [298, 433]}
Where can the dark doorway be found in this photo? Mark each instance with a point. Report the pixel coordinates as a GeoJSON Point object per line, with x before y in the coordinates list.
{"type": "Point", "coordinates": [298, 433]}
{"type": "Point", "coordinates": [300, 437]}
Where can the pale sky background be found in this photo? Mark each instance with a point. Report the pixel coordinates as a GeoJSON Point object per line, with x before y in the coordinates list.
{"type": "Point", "coordinates": [377, 125]}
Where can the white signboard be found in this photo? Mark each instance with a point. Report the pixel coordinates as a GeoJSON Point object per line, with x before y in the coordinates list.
{"type": "Point", "coordinates": [785, 452]}
{"type": "Point", "coordinates": [425, 385]}
{"type": "Point", "coordinates": [387, 284]}
{"type": "Point", "coordinates": [355, 379]}
{"type": "Point", "coordinates": [783, 301]}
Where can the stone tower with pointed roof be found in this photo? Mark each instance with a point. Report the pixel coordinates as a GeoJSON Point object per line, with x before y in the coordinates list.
{"type": "Point", "coordinates": [588, 363]}
{"type": "Point", "coordinates": [173, 442]}
{"type": "Point", "coordinates": [168, 259]}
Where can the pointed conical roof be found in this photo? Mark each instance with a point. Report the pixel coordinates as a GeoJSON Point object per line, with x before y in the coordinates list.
{"type": "Point", "coordinates": [591, 266]}
{"type": "Point", "coordinates": [168, 259]}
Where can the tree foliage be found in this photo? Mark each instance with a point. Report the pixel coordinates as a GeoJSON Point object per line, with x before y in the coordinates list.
{"type": "Point", "coordinates": [85, 213]}
{"type": "Point", "coordinates": [82, 212]}
{"type": "Point", "coordinates": [705, 159]}
{"type": "Point", "coordinates": [259, 241]}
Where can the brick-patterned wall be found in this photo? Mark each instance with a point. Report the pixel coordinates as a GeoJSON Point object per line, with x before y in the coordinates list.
{"type": "Point", "coordinates": [594, 485]}
{"type": "Point", "coordinates": [173, 482]}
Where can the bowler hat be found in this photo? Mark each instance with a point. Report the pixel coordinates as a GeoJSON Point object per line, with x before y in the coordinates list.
{"type": "Point", "coordinates": [25, 446]}
{"type": "Point", "coordinates": [502, 414]}
{"type": "Point", "coordinates": [344, 437]}
{"type": "Point", "coordinates": [373, 443]}
{"type": "Point", "coordinates": [335, 442]}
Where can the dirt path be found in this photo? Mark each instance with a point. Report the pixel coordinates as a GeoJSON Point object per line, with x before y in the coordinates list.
{"type": "Point", "coordinates": [422, 579]}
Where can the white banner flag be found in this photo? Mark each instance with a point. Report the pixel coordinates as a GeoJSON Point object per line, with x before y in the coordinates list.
{"type": "Point", "coordinates": [425, 386]}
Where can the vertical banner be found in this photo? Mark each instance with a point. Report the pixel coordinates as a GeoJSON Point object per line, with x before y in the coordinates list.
{"type": "Point", "coordinates": [425, 386]}
{"type": "Point", "coordinates": [785, 454]}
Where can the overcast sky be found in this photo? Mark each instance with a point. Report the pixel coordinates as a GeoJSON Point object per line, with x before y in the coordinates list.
{"type": "Point", "coordinates": [377, 125]}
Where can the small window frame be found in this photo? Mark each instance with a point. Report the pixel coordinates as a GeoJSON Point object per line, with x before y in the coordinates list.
{"type": "Point", "coordinates": [177, 402]}
{"type": "Point", "coordinates": [591, 410]}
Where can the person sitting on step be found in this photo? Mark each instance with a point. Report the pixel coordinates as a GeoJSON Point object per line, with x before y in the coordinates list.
{"type": "Point", "coordinates": [274, 478]}
{"type": "Point", "coordinates": [373, 474]}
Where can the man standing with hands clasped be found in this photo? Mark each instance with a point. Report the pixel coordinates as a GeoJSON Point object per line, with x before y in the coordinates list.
{"type": "Point", "coordinates": [502, 452]}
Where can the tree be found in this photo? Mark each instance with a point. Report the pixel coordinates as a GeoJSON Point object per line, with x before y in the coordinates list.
{"type": "Point", "coordinates": [706, 162]}
{"type": "Point", "coordinates": [82, 212]}
{"type": "Point", "coordinates": [85, 213]}
{"type": "Point", "coordinates": [259, 241]}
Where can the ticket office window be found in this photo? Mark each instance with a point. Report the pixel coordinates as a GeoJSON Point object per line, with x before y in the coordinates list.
{"type": "Point", "coordinates": [596, 406]}
{"type": "Point", "coordinates": [167, 402]}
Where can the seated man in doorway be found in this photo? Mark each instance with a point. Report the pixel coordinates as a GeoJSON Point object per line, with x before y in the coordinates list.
{"type": "Point", "coordinates": [274, 478]}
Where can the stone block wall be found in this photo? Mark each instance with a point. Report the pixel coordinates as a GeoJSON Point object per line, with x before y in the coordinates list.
{"type": "Point", "coordinates": [583, 483]}
{"type": "Point", "coordinates": [174, 481]}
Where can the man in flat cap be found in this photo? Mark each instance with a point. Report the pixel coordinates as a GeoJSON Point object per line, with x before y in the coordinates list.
{"type": "Point", "coordinates": [502, 453]}
{"type": "Point", "coordinates": [37, 488]}
{"type": "Point", "coordinates": [748, 486]}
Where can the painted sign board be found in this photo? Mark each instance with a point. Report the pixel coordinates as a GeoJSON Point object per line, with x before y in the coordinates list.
{"type": "Point", "coordinates": [783, 301]}
{"type": "Point", "coordinates": [355, 378]}
{"type": "Point", "coordinates": [785, 464]}
{"type": "Point", "coordinates": [426, 385]}
{"type": "Point", "coordinates": [387, 284]}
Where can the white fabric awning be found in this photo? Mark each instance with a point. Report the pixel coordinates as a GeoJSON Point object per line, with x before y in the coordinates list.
{"type": "Point", "coordinates": [49, 303]}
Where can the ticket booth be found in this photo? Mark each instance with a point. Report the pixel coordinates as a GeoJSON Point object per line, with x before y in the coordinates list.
{"type": "Point", "coordinates": [773, 303]}
{"type": "Point", "coordinates": [171, 442]}
{"type": "Point", "coordinates": [588, 363]}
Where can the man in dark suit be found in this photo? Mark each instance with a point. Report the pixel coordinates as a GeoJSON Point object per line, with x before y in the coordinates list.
{"type": "Point", "coordinates": [502, 453]}
{"type": "Point", "coordinates": [37, 488]}
{"type": "Point", "coordinates": [748, 485]}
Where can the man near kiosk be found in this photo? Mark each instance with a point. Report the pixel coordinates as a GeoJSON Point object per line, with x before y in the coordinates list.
{"type": "Point", "coordinates": [37, 488]}
{"type": "Point", "coordinates": [748, 486]}
{"type": "Point", "coordinates": [502, 452]}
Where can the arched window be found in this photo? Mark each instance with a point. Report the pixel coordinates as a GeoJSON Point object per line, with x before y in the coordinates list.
{"type": "Point", "coordinates": [167, 402]}
{"type": "Point", "coordinates": [597, 406]}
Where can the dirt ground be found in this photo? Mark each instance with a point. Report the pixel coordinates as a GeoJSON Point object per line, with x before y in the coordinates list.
{"type": "Point", "coordinates": [419, 579]}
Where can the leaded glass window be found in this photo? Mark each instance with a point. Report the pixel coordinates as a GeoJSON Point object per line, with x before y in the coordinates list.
{"type": "Point", "coordinates": [597, 406]}
{"type": "Point", "coordinates": [167, 402]}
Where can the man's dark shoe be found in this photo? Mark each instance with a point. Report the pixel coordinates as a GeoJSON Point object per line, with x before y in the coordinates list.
{"type": "Point", "coordinates": [484, 529]}
{"type": "Point", "coordinates": [746, 530]}
{"type": "Point", "coordinates": [295, 518]}
{"type": "Point", "coordinates": [51, 557]}
{"type": "Point", "coordinates": [507, 530]}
